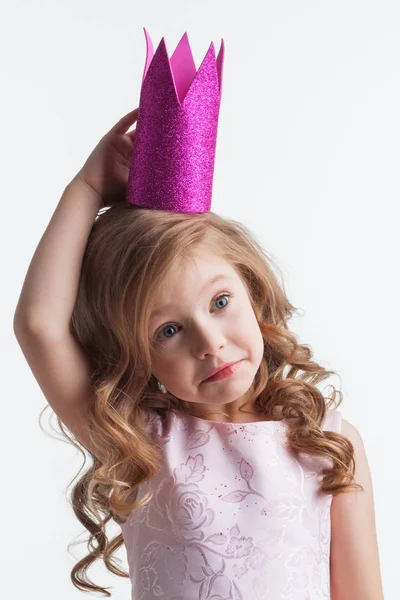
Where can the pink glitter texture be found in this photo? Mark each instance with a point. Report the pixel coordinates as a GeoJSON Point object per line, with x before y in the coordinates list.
{"type": "Point", "coordinates": [172, 165]}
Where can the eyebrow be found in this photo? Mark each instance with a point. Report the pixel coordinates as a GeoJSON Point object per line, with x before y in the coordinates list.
{"type": "Point", "coordinates": [218, 277]}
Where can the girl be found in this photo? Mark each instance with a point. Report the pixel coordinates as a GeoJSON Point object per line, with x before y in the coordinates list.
{"type": "Point", "coordinates": [160, 340]}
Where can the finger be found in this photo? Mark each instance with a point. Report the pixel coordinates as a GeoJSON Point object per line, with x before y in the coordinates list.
{"type": "Point", "coordinates": [126, 121]}
{"type": "Point", "coordinates": [131, 134]}
{"type": "Point", "coordinates": [125, 148]}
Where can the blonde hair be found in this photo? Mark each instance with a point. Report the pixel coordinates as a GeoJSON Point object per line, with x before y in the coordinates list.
{"type": "Point", "coordinates": [128, 255]}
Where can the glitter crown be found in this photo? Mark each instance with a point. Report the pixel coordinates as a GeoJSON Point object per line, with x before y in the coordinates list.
{"type": "Point", "coordinates": [172, 165]}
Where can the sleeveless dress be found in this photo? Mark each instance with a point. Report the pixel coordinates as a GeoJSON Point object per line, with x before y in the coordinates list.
{"type": "Point", "coordinates": [235, 515]}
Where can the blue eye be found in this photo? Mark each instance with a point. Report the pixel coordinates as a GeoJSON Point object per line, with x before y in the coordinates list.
{"type": "Point", "coordinates": [171, 325]}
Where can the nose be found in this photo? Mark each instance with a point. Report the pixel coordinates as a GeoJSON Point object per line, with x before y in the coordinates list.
{"type": "Point", "coordinates": [208, 338]}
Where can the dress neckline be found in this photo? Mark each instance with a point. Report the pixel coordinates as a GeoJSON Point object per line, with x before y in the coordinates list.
{"type": "Point", "coordinates": [269, 423]}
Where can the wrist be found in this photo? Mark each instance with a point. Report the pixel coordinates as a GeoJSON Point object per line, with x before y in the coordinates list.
{"type": "Point", "coordinates": [85, 188]}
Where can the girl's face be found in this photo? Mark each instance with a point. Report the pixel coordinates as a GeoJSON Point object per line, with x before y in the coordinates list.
{"type": "Point", "coordinates": [198, 325]}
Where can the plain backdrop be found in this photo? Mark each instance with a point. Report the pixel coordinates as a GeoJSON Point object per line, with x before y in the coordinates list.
{"type": "Point", "coordinates": [307, 157]}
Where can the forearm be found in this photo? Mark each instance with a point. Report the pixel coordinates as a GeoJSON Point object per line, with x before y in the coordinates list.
{"type": "Point", "coordinates": [49, 291]}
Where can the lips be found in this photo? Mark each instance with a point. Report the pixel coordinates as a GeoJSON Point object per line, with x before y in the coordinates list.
{"type": "Point", "coordinates": [220, 368]}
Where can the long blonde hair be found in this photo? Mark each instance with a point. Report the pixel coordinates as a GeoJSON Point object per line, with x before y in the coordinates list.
{"type": "Point", "coordinates": [128, 255]}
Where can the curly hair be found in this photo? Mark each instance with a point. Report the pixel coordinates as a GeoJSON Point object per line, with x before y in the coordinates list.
{"type": "Point", "coordinates": [128, 256]}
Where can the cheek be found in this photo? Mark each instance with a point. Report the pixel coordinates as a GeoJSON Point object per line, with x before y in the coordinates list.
{"type": "Point", "coordinates": [250, 331]}
{"type": "Point", "coordinates": [246, 321]}
{"type": "Point", "coordinates": [160, 352]}
{"type": "Point", "coordinates": [165, 354]}
{"type": "Point", "coordinates": [158, 362]}
{"type": "Point", "coordinates": [166, 363]}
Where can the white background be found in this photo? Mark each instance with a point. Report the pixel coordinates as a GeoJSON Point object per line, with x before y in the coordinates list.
{"type": "Point", "coordinates": [307, 157]}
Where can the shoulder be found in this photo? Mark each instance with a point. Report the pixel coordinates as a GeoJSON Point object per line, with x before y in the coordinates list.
{"type": "Point", "coordinates": [335, 422]}
{"type": "Point", "coordinates": [362, 473]}
{"type": "Point", "coordinates": [354, 545]}
{"type": "Point", "coordinates": [352, 433]}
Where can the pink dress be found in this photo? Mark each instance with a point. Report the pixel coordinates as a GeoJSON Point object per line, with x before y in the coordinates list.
{"type": "Point", "coordinates": [235, 515]}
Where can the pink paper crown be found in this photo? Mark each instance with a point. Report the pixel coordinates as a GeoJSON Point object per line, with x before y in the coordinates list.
{"type": "Point", "coordinates": [172, 165]}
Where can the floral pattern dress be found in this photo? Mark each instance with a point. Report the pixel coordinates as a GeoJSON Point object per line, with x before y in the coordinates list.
{"type": "Point", "coordinates": [235, 515]}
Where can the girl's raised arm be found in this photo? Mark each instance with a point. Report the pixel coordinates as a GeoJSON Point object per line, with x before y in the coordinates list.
{"type": "Point", "coordinates": [44, 309]}
{"type": "Point", "coordinates": [43, 313]}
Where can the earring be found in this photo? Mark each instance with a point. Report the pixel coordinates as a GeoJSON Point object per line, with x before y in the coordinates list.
{"type": "Point", "coordinates": [162, 387]}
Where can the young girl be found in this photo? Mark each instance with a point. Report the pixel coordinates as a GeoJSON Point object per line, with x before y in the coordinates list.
{"type": "Point", "coordinates": [160, 339]}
